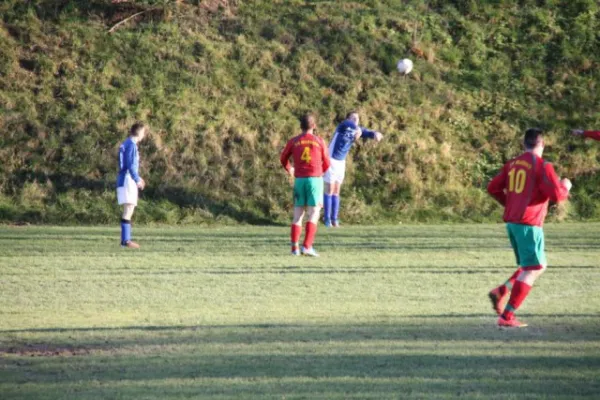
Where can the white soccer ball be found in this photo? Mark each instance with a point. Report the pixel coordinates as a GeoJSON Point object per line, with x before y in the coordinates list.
{"type": "Point", "coordinates": [404, 66]}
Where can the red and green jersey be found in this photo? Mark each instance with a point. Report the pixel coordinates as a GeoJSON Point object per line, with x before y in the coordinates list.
{"type": "Point", "coordinates": [309, 154]}
{"type": "Point", "coordinates": [524, 187]}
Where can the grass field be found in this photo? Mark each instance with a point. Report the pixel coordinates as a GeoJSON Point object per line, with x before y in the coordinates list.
{"type": "Point", "coordinates": [385, 312]}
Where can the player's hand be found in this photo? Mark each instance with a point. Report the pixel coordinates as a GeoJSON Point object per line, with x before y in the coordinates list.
{"type": "Point", "coordinates": [291, 171]}
{"type": "Point", "coordinates": [141, 184]}
{"type": "Point", "coordinates": [566, 183]}
{"type": "Point", "coordinates": [577, 132]}
{"type": "Point", "coordinates": [378, 136]}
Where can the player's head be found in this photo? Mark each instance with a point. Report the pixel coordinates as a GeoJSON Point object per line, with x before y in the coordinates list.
{"type": "Point", "coordinates": [353, 116]}
{"type": "Point", "coordinates": [138, 131]}
{"type": "Point", "coordinates": [308, 122]}
{"type": "Point", "coordinates": [534, 140]}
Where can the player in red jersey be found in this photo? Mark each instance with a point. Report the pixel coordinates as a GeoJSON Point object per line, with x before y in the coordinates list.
{"type": "Point", "coordinates": [588, 134]}
{"type": "Point", "coordinates": [524, 186]}
{"type": "Point", "coordinates": [311, 160]}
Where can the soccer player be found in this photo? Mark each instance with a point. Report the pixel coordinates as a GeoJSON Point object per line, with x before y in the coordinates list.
{"type": "Point", "coordinates": [588, 134]}
{"type": "Point", "coordinates": [345, 135]}
{"type": "Point", "coordinates": [129, 180]}
{"type": "Point", "coordinates": [524, 187]}
{"type": "Point", "coordinates": [310, 158]}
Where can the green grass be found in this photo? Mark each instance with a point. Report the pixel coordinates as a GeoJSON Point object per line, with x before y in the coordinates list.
{"type": "Point", "coordinates": [385, 312]}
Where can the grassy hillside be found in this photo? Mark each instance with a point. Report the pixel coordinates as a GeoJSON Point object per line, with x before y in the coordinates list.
{"type": "Point", "coordinates": [222, 82]}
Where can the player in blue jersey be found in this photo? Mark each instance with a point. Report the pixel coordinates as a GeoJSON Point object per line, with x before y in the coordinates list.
{"type": "Point", "coordinates": [345, 135]}
{"type": "Point", "coordinates": [129, 180]}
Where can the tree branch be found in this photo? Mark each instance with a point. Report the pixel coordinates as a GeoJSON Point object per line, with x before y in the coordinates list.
{"type": "Point", "coordinates": [111, 30]}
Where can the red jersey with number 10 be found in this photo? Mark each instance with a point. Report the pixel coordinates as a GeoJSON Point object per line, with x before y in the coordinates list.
{"type": "Point", "coordinates": [524, 187]}
{"type": "Point", "coordinates": [310, 155]}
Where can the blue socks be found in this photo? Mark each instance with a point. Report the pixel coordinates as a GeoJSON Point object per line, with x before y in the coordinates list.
{"type": "Point", "coordinates": [335, 207]}
{"type": "Point", "coordinates": [125, 231]}
{"type": "Point", "coordinates": [327, 207]}
{"type": "Point", "coordinates": [331, 206]}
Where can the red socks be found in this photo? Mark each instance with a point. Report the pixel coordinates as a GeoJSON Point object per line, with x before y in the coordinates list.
{"type": "Point", "coordinates": [311, 231]}
{"type": "Point", "coordinates": [295, 236]}
{"type": "Point", "coordinates": [508, 285]}
{"type": "Point", "coordinates": [309, 238]}
{"type": "Point", "coordinates": [519, 293]}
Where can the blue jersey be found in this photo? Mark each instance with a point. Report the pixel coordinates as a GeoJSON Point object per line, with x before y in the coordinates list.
{"type": "Point", "coordinates": [344, 137]}
{"type": "Point", "coordinates": [129, 162]}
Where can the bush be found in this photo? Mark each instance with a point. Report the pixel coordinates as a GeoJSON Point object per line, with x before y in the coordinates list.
{"type": "Point", "coordinates": [222, 82]}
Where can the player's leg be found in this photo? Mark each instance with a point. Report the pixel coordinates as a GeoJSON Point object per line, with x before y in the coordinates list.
{"type": "Point", "coordinates": [296, 230]}
{"type": "Point", "coordinates": [127, 196]}
{"type": "Point", "coordinates": [327, 199]}
{"type": "Point", "coordinates": [299, 205]}
{"type": "Point", "coordinates": [335, 196]}
{"type": "Point", "coordinates": [335, 203]}
{"type": "Point", "coordinates": [499, 295]}
{"type": "Point", "coordinates": [311, 231]}
{"type": "Point", "coordinates": [533, 261]}
{"type": "Point", "coordinates": [314, 191]}
{"type": "Point", "coordinates": [126, 241]}
{"type": "Point", "coordinates": [331, 177]}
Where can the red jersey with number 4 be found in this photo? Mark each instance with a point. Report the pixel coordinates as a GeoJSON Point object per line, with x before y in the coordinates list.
{"type": "Point", "coordinates": [309, 154]}
{"type": "Point", "coordinates": [524, 187]}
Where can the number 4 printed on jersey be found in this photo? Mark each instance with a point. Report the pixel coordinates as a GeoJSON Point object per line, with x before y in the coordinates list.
{"type": "Point", "coordinates": [306, 155]}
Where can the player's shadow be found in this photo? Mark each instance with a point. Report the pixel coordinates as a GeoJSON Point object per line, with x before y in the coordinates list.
{"type": "Point", "coordinates": [178, 196]}
{"type": "Point", "coordinates": [61, 182]}
{"type": "Point", "coordinates": [185, 198]}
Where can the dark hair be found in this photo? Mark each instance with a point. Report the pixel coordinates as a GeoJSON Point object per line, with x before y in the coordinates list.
{"type": "Point", "coordinates": [307, 122]}
{"type": "Point", "coordinates": [532, 137]}
{"type": "Point", "coordinates": [137, 128]}
{"type": "Point", "coordinates": [350, 113]}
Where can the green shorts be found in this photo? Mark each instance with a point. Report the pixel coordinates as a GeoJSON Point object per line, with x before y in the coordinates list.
{"type": "Point", "coordinates": [308, 192]}
{"type": "Point", "coordinates": [528, 243]}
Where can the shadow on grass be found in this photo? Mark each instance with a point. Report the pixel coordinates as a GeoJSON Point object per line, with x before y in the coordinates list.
{"type": "Point", "coordinates": [320, 385]}
{"type": "Point", "coordinates": [187, 199]}
{"type": "Point", "coordinates": [301, 270]}
{"type": "Point", "coordinates": [295, 270]}
{"type": "Point", "coordinates": [449, 327]}
{"type": "Point", "coordinates": [178, 196]}
{"type": "Point", "coordinates": [444, 358]}
{"type": "Point", "coordinates": [216, 237]}
{"type": "Point", "coordinates": [54, 10]}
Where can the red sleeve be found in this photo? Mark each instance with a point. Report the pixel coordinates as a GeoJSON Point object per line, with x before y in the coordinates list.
{"type": "Point", "coordinates": [592, 134]}
{"type": "Point", "coordinates": [285, 155]}
{"type": "Point", "coordinates": [325, 151]}
{"type": "Point", "coordinates": [551, 185]}
{"type": "Point", "coordinates": [496, 187]}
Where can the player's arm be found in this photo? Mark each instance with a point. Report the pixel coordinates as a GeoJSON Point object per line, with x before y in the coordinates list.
{"type": "Point", "coordinates": [285, 158]}
{"type": "Point", "coordinates": [552, 186]}
{"type": "Point", "coordinates": [369, 134]}
{"type": "Point", "coordinates": [588, 134]}
{"type": "Point", "coordinates": [496, 187]}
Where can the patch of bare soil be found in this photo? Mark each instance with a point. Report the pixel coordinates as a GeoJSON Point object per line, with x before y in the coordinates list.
{"type": "Point", "coordinates": [44, 350]}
